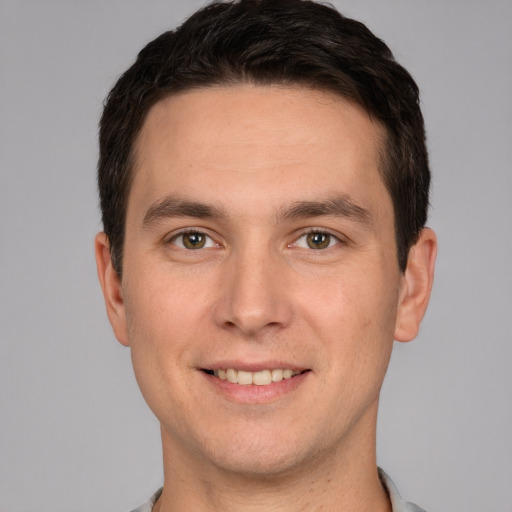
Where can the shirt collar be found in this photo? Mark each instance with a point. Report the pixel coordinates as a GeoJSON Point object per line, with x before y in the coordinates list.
{"type": "Point", "coordinates": [397, 503]}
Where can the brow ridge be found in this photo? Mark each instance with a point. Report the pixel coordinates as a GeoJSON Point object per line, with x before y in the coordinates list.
{"type": "Point", "coordinates": [173, 206]}
{"type": "Point", "coordinates": [340, 206]}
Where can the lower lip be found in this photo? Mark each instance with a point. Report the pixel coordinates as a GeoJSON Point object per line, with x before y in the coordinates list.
{"type": "Point", "coordinates": [252, 394]}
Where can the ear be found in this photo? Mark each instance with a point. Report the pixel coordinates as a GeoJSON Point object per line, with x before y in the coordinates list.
{"type": "Point", "coordinates": [111, 286]}
{"type": "Point", "coordinates": [416, 286]}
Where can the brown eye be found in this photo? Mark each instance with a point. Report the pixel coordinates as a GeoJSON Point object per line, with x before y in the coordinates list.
{"type": "Point", "coordinates": [193, 240]}
{"type": "Point", "coordinates": [318, 240]}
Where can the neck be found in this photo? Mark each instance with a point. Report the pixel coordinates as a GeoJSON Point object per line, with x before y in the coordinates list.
{"type": "Point", "coordinates": [343, 481]}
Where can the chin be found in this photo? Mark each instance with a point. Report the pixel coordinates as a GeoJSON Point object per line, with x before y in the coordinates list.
{"type": "Point", "coordinates": [259, 466]}
{"type": "Point", "coordinates": [259, 457]}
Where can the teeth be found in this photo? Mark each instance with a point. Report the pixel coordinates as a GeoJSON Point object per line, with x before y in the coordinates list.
{"type": "Point", "coordinates": [244, 378]}
{"type": "Point", "coordinates": [262, 378]}
{"type": "Point", "coordinates": [277, 375]}
{"type": "Point", "coordinates": [232, 376]}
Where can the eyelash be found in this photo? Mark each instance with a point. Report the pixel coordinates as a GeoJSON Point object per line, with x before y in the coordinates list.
{"type": "Point", "coordinates": [192, 231]}
{"type": "Point", "coordinates": [212, 243]}
{"type": "Point", "coordinates": [318, 231]}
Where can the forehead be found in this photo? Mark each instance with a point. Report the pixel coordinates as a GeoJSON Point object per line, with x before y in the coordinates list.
{"type": "Point", "coordinates": [275, 140]}
{"type": "Point", "coordinates": [302, 115]}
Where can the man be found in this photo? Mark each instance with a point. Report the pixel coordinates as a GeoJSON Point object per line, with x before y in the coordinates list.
{"type": "Point", "coordinates": [264, 188]}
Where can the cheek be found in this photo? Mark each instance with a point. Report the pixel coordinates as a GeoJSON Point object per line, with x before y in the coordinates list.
{"type": "Point", "coordinates": [351, 300]}
{"type": "Point", "coordinates": [162, 307]}
{"type": "Point", "coordinates": [354, 314]}
{"type": "Point", "coordinates": [160, 330]}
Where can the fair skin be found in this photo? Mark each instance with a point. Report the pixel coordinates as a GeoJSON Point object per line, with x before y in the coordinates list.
{"type": "Point", "coordinates": [260, 238]}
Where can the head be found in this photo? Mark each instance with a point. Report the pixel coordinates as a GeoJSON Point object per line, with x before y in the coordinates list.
{"type": "Point", "coordinates": [264, 185]}
{"type": "Point", "coordinates": [262, 42]}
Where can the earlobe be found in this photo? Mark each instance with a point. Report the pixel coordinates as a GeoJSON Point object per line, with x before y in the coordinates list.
{"type": "Point", "coordinates": [416, 286]}
{"type": "Point", "coordinates": [111, 287]}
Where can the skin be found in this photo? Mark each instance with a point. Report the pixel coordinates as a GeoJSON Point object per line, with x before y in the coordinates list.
{"type": "Point", "coordinates": [256, 296]}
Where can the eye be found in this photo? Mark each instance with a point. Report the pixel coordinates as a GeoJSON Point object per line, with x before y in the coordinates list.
{"type": "Point", "coordinates": [193, 240]}
{"type": "Point", "coordinates": [316, 240]}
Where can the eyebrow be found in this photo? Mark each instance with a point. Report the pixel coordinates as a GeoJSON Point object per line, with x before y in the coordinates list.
{"type": "Point", "coordinates": [172, 206]}
{"type": "Point", "coordinates": [340, 206]}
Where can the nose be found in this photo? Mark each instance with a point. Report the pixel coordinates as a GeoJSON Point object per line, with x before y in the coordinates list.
{"type": "Point", "coordinates": [254, 298]}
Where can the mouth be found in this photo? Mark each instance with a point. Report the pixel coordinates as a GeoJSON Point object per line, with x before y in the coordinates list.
{"type": "Point", "coordinates": [259, 378]}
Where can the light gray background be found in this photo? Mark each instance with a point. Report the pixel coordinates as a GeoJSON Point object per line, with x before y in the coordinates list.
{"type": "Point", "coordinates": [75, 434]}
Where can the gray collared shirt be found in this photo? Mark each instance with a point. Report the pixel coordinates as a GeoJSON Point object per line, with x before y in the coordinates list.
{"type": "Point", "coordinates": [397, 504]}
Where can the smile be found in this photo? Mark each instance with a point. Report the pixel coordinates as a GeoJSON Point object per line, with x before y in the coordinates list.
{"type": "Point", "coordinates": [260, 378]}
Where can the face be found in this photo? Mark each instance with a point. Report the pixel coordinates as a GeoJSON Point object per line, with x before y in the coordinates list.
{"type": "Point", "coordinates": [260, 291]}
